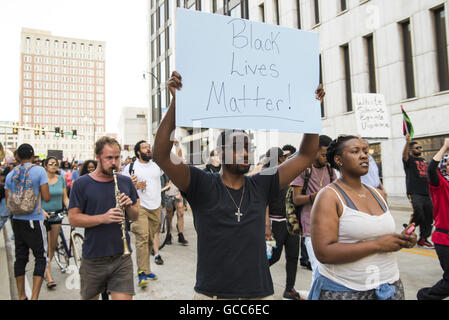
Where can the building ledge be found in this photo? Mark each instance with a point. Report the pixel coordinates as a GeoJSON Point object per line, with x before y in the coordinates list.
{"type": "Point", "coordinates": [439, 93]}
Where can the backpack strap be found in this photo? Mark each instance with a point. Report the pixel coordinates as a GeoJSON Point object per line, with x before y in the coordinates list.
{"type": "Point", "coordinates": [331, 172]}
{"type": "Point", "coordinates": [306, 180]}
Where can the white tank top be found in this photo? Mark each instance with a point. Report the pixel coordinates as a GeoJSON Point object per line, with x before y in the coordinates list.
{"type": "Point", "coordinates": [369, 272]}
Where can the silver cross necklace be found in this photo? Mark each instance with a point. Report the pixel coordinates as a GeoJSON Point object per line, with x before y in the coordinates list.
{"type": "Point", "coordinates": [238, 213]}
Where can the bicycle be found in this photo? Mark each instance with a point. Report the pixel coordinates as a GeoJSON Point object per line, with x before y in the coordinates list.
{"type": "Point", "coordinates": [64, 252]}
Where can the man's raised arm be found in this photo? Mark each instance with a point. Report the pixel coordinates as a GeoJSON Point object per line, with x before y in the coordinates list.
{"type": "Point", "coordinates": [293, 167]}
{"type": "Point", "coordinates": [176, 170]}
{"type": "Point", "coordinates": [406, 148]}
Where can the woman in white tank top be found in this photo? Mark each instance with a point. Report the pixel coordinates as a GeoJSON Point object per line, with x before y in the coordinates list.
{"type": "Point", "coordinates": [353, 232]}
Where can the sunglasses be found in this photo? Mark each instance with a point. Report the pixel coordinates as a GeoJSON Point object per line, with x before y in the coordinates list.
{"type": "Point", "coordinates": [418, 147]}
{"type": "Point", "coordinates": [53, 164]}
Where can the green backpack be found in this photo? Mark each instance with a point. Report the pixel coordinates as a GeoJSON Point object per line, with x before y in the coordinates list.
{"type": "Point", "coordinates": [292, 211]}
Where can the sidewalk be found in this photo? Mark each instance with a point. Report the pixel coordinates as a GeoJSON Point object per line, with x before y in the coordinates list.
{"type": "Point", "coordinates": [5, 292]}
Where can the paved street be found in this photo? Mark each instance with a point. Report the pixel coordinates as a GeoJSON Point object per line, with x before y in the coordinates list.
{"type": "Point", "coordinates": [418, 267]}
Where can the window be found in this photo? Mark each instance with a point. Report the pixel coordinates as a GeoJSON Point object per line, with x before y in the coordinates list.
{"type": "Point", "coordinates": [321, 81]}
{"type": "Point", "coordinates": [276, 12]}
{"type": "Point", "coordinates": [347, 71]}
{"type": "Point", "coordinates": [298, 12]}
{"type": "Point", "coordinates": [441, 46]}
{"type": "Point", "coordinates": [343, 5]}
{"type": "Point", "coordinates": [262, 12]}
{"type": "Point", "coordinates": [316, 11]}
{"type": "Point", "coordinates": [431, 145]}
{"type": "Point", "coordinates": [408, 58]}
{"type": "Point", "coordinates": [371, 63]}
{"type": "Point", "coordinates": [236, 8]}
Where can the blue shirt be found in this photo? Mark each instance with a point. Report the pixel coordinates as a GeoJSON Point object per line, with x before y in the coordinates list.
{"type": "Point", "coordinates": [39, 178]}
{"type": "Point", "coordinates": [75, 175]}
{"type": "Point", "coordinates": [372, 177]}
{"type": "Point", "coordinates": [94, 198]}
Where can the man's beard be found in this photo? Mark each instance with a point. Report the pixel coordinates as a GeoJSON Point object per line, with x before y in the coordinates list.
{"type": "Point", "coordinates": [236, 169]}
{"type": "Point", "coordinates": [417, 154]}
{"type": "Point", "coordinates": [106, 172]}
{"type": "Point", "coordinates": [144, 157]}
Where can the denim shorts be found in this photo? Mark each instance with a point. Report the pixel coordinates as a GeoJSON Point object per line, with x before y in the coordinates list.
{"type": "Point", "coordinates": [113, 273]}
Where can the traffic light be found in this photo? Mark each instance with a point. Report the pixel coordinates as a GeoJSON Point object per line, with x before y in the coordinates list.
{"type": "Point", "coordinates": [57, 132]}
{"type": "Point", "coordinates": [43, 131]}
{"type": "Point", "coordinates": [74, 135]}
{"type": "Point", "coordinates": [15, 129]}
{"type": "Point", "coordinates": [36, 131]}
{"type": "Point", "coordinates": [62, 133]}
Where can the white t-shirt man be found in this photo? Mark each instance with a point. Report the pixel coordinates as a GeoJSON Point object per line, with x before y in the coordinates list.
{"type": "Point", "coordinates": [149, 173]}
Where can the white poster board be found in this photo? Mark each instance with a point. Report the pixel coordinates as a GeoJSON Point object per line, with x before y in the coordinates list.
{"type": "Point", "coordinates": [372, 117]}
{"type": "Point", "coordinates": [240, 74]}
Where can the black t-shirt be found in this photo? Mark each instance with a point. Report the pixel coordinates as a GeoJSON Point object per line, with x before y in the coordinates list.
{"type": "Point", "coordinates": [232, 260]}
{"type": "Point", "coordinates": [416, 175]}
{"type": "Point", "coordinates": [94, 198]}
{"type": "Point", "coordinates": [277, 204]}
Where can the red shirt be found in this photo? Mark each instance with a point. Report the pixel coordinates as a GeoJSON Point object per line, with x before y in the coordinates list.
{"type": "Point", "coordinates": [440, 199]}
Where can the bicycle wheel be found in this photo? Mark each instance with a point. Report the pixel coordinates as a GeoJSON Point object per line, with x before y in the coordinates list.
{"type": "Point", "coordinates": [77, 248]}
{"type": "Point", "coordinates": [164, 232]}
{"type": "Point", "coordinates": [61, 256]}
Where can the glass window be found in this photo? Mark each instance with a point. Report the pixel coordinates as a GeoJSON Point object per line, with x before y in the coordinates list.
{"type": "Point", "coordinates": [431, 145]}
{"type": "Point", "coordinates": [316, 11]}
{"type": "Point", "coordinates": [162, 44]}
{"type": "Point", "coordinates": [408, 58]}
{"type": "Point", "coordinates": [276, 12]}
{"type": "Point", "coordinates": [298, 12]}
{"type": "Point", "coordinates": [441, 43]}
{"type": "Point", "coordinates": [343, 5]}
{"type": "Point", "coordinates": [371, 64]}
{"type": "Point", "coordinates": [347, 71]}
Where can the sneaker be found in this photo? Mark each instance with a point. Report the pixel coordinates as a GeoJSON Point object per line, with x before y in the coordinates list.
{"type": "Point", "coordinates": [142, 280]}
{"type": "Point", "coordinates": [158, 259]}
{"type": "Point", "coordinates": [151, 276]}
{"type": "Point", "coordinates": [292, 295]}
{"type": "Point", "coordinates": [425, 244]}
{"type": "Point", "coordinates": [306, 265]}
{"type": "Point", "coordinates": [182, 240]}
{"type": "Point", "coordinates": [168, 241]}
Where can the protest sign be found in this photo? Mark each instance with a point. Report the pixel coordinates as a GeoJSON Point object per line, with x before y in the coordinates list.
{"type": "Point", "coordinates": [241, 74]}
{"type": "Point", "coordinates": [372, 117]}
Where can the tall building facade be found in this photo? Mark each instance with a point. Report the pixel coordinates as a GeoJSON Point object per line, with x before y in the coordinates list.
{"type": "Point", "coordinates": [62, 86]}
{"type": "Point", "coordinates": [395, 48]}
{"type": "Point", "coordinates": [133, 127]}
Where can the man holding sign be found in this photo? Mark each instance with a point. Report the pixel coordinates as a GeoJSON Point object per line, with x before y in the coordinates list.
{"type": "Point", "coordinates": [229, 208]}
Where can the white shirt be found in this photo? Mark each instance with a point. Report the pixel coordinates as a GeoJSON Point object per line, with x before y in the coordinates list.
{"type": "Point", "coordinates": [150, 197]}
{"type": "Point", "coordinates": [371, 271]}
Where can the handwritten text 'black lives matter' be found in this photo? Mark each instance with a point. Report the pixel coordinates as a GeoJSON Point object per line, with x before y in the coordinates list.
{"type": "Point", "coordinates": [246, 36]}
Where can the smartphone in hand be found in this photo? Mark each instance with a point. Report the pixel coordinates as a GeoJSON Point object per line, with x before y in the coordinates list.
{"type": "Point", "coordinates": [410, 228]}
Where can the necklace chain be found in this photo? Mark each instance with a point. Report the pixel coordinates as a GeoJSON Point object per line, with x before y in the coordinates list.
{"type": "Point", "coordinates": [361, 195]}
{"type": "Point", "coordinates": [241, 199]}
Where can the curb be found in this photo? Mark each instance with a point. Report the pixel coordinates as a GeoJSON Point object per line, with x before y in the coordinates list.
{"type": "Point", "coordinates": [10, 283]}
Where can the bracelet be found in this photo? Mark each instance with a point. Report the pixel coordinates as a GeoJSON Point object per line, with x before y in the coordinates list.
{"type": "Point", "coordinates": [310, 199]}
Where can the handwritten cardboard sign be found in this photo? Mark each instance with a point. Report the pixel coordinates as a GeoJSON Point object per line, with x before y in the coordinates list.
{"type": "Point", "coordinates": [372, 117]}
{"type": "Point", "coordinates": [241, 74]}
